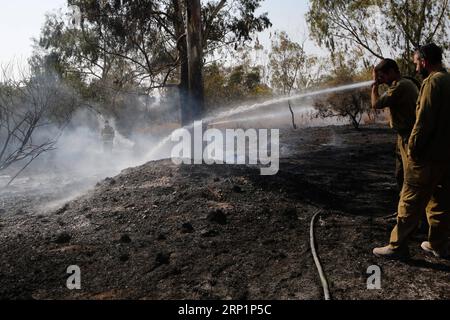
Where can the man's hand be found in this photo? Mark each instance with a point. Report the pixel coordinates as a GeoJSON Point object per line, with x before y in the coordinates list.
{"type": "Point", "coordinates": [375, 78]}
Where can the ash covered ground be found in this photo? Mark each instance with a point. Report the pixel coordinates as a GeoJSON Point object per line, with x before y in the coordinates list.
{"type": "Point", "coordinates": [161, 231]}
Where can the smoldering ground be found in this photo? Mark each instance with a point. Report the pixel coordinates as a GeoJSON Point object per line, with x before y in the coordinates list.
{"type": "Point", "coordinates": [188, 231]}
{"type": "Point", "coordinates": [77, 161]}
{"type": "Point", "coordinates": [161, 231]}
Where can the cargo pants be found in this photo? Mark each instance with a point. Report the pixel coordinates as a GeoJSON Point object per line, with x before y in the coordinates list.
{"type": "Point", "coordinates": [426, 187]}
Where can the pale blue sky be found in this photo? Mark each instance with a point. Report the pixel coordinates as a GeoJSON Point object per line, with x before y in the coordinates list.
{"type": "Point", "coordinates": [21, 20]}
{"type": "Point", "coordinates": [289, 16]}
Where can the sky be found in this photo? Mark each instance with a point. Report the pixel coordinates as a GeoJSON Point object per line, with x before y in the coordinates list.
{"type": "Point", "coordinates": [21, 20]}
{"type": "Point", "coordinates": [289, 16]}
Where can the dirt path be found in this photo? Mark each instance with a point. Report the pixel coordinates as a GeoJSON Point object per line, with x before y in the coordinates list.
{"type": "Point", "coordinates": [162, 231]}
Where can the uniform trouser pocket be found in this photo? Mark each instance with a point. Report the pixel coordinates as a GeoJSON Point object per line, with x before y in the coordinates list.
{"type": "Point", "coordinates": [418, 175]}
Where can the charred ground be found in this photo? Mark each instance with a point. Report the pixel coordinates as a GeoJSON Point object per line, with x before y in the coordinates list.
{"type": "Point", "coordinates": [162, 231]}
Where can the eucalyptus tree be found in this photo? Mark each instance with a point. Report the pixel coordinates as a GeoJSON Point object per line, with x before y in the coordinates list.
{"type": "Point", "coordinates": [382, 28]}
{"type": "Point", "coordinates": [161, 43]}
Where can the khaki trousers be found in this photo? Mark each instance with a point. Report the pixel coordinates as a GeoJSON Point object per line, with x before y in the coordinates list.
{"type": "Point", "coordinates": [426, 187]}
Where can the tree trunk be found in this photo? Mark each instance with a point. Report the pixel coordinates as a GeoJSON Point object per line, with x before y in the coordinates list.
{"type": "Point", "coordinates": [292, 115]}
{"type": "Point", "coordinates": [183, 87]}
{"type": "Point", "coordinates": [195, 58]}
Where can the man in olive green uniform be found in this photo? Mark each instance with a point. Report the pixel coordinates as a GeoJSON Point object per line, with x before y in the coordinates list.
{"type": "Point", "coordinates": [427, 176]}
{"type": "Point", "coordinates": [108, 135]}
{"type": "Point", "coordinates": [401, 99]}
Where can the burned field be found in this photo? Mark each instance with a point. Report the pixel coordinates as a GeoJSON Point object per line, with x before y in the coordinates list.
{"type": "Point", "coordinates": [162, 231]}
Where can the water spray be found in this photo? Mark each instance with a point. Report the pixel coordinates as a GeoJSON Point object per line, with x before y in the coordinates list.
{"type": "Point", "coordinates": [247, 108]}
{"type": "Point", "coordinates": [215, 119]}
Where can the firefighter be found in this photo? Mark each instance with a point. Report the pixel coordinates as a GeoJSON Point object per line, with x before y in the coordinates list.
{"type": "Point", "coordinates": [427, 175]}
{"type": "Point", "coordinates": [108, 135]}
{"type": "Point", "coordinates": [401, 99]}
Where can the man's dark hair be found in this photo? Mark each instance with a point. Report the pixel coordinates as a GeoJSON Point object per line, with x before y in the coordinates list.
{"type": "Point", "coordinates": [387, 64]}
{"type": "Point", "coordinates": [430, 52]}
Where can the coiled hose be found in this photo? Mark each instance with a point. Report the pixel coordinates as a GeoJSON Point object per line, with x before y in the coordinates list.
{"type": "Point", "coordinates": [323, 278]}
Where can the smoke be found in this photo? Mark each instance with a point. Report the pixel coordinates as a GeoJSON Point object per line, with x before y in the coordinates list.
{"type": "Point", "coordinates": [80, 151]}
{"type": "Point", "coordinates": [79, 160]}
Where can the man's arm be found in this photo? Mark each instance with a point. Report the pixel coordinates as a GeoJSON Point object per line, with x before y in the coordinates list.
{"type": "Point", "coordinates": [422, 133]}
{"type": "Point", "coordinates": [375, 93]}
{"type": "Point", "coordinates": [390, 98]}
{"type": "Point", "coordinates": [375, 96]}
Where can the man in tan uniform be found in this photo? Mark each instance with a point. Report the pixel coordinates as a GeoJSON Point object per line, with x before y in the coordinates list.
{"type": "Point", "coordinates": [108, 135]}
{"type": "Point", "coordinates": [427, 176]}
{"type": "Point", "coordinates": [401, 99]}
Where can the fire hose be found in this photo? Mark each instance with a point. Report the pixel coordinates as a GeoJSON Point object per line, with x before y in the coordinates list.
{"type": "Point", "coordinates": [323, 278]}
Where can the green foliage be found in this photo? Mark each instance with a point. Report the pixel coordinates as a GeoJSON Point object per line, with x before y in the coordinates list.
{"type": "Point", "coordinates": [226, 86]}
{"type": "Point", "coordinates": [118, 47]}
{"type": "Point", "coordinates": [143, 34]}
{"type": "Point", "coordinates": [351, 105]}
{"type": "Point", "coordinates": [382, 28]}
{"type": "Point", "coordinates": [291, 67]}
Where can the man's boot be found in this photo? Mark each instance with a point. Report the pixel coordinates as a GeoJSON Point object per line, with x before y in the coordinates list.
{"type": "Point", "coordinates": [389, 253]}
{"type": "Point", "coordinates": [426, 246]}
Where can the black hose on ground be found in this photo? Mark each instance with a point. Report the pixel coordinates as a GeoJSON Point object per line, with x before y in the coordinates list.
{"type": "Point", "coordinates": [323, 278]}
